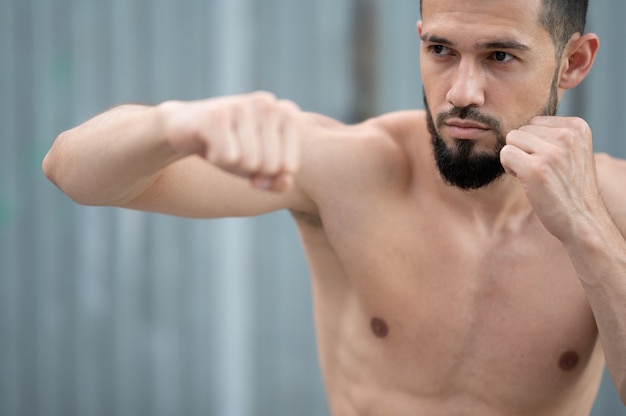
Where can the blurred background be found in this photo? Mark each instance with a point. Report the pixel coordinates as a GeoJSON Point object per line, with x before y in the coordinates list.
{"type": "Point", "coordinates": [112, 312]}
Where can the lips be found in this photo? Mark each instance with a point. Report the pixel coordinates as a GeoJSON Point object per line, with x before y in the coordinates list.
{"type": "Point", "coordinates": [465, 129]}
{"type": "Point", "coordinates": [466, 124]}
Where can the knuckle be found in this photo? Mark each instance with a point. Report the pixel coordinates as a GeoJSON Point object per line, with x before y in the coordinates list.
{"type": "Point", "coordinates": [263, 100]}
{"type": "Point", "coordinates": [579, 127]}
{"type": "Point", "coordinates": [563, 131]}
{"type": "Point", "coordinates": [263, 95]}
{"type": "Point", "coordinates": [580, 124]}
{"type": "Point", "coordinates": [585, 129]}
{"type": "Point", "coordinates": [505, 152]}
{"type": "Point", "coordinates": [288, 106]}
{"type": "Point", "coordinates": [541, 168]}
{"type": "Point", "coordinates": [235, 112]}
{"type": "Point", "coordinates": [250, 163]}
{"type": "Point", "coordinates": [271, 166]}
{"type": "Point", "coordinates": [227, 158]}
{"type": "Point", "coordinates": [262, 106]}
{"type": "Point", "coordinates": [221, 119]}
{"type": "Point", "coordinates": [566, 136]}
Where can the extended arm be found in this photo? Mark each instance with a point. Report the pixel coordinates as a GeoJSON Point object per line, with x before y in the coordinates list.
{"type": "Point", "coordinates": [185, 158]}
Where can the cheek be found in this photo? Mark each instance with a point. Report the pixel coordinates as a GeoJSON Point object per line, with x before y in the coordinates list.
{"type": "Point", "coordinates": [433, 80]}
{"type": "Point", "coordinates": [434, 89]}
{"type": "Point", "coordinates": [516, 105]}
{"type": "Point", "coordinates": [527, 92]}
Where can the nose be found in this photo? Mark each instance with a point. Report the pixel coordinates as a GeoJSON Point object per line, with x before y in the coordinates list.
{"type": "Point", "coordinates": [467, 87]}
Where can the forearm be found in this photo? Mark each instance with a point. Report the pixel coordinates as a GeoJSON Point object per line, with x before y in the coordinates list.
{"type": "Point", "coordinates": [599, 257]}
{"type": "Point", "coordinates": [111, 158]}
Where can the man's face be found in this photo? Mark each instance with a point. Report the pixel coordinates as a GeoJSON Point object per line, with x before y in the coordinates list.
{"type": "Point", "coordinates": [488, 67]}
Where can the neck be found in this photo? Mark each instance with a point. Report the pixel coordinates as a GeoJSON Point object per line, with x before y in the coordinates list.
{"type": "Point", "coordinates": [501, 204]}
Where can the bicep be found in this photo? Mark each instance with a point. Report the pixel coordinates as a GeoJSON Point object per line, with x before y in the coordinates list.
{"type": "Point", "coordinates": [193, 188]}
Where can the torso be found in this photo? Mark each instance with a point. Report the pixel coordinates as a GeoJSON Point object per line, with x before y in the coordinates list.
{"type": "Point", "coordinates": [418, 313]}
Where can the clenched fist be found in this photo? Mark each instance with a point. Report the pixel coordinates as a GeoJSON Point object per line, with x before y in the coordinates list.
{"type": "Point", "coordinates": [254, 136]}
{"type": "Point", "coordinates": [553, 159]}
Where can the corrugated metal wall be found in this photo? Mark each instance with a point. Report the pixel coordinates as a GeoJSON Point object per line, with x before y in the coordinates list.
{"type": "Point", "coordinates": [112, 312]}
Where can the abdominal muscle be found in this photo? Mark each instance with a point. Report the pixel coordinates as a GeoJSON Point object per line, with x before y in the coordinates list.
{"type": "Point", "coordinates": [404, 333]}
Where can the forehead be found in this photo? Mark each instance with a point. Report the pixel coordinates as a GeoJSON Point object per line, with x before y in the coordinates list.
{"type": "Point", "coordinates": [481, 20]}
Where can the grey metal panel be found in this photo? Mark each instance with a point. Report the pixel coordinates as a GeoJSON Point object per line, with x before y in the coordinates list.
{"type": "Point", "coordinates": [112, 312]}
{"type": "Point", "coordinates": [400, 84]}
{"type": "Point", "coordinates": [604, 90]}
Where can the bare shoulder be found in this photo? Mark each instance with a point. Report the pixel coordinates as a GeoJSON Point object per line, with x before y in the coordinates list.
{"type": "Point", "coordinates": [402, 125]}
{"type": "Point", "coordinates": [346, 166]}
{"type": "Point", "coordinates": [611, 179]}
{"type": "Point", "coordinates": [366, 158]}
{"type": "Point", "coordinates": [396, 126]}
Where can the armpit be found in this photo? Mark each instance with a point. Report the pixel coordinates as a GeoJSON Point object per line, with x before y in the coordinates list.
{"type": "Point", "coordinates": [313, 220]}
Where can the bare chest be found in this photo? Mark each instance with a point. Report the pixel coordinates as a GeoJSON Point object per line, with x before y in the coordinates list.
{"type": "Point", "coordinates": [437, 312]}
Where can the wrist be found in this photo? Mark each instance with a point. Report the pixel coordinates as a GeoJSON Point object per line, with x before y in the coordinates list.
{"type": "Point", "coordinates": [179, 127]}
{"type": "Point", "coordinates": [595, 245]}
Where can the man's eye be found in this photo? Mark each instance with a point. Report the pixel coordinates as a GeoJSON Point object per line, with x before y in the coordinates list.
{"type": "Point", "coordinates": [439, 50]}
{"type": "Point", "coordinates": [502, 57]}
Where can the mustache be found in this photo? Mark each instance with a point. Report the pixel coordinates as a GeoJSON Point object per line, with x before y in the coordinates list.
{"type": "Point", "coordinates": [469, 113]}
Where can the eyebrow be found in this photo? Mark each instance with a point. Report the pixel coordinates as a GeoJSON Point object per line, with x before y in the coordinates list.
{"type": "Point", "coordinates": [495, 44]}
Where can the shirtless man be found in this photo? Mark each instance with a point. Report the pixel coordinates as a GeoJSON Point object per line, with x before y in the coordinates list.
{"type": "Point", "coordinates": [492, 282]}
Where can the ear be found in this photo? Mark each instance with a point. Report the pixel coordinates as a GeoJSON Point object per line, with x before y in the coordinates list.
{"type": "Point", "coordinates": [419, 28]}
{"type": "Point", "coordinates": [578, 57]}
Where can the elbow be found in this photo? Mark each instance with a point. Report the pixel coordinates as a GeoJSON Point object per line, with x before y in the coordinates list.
{"type": "Point", "coordinates": [55, 168]}
{"type": "Point", "coordinates": [51, 162]}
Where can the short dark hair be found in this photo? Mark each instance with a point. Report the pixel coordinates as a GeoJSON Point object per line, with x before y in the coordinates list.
{"type": "Point", "coordinates": [562, 19]}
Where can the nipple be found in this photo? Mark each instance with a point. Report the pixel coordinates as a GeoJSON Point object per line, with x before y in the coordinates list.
{"type": "Point", "coordinates": [379, 327]}
{"type": "Point", "coordinates": [568, 361]}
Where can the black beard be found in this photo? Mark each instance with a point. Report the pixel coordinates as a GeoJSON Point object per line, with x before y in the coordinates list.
{"type": "Point", "coordinates": [459, 164]}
